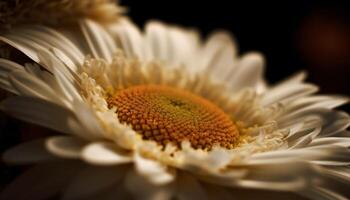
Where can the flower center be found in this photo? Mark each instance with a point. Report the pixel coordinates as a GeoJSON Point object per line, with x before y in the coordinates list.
{"type": "Point", "coordinates": [164, 114]}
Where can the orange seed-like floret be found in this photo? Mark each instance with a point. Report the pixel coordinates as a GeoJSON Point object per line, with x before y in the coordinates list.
{"type": "Point", "coordinates": [165, 114]}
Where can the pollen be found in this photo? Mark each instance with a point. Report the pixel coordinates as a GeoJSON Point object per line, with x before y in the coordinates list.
{"type": "Point", "coordinates": [165, 114]}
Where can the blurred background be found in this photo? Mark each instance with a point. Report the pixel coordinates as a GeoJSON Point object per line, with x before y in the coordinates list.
{"type": "Point", "coordinates": [294, 35]}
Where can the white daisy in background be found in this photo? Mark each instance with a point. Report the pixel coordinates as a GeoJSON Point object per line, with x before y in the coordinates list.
{"type": "Point", "coordinates": [161, 114]}
{"type": "Point", "coordinates": [54, 12]}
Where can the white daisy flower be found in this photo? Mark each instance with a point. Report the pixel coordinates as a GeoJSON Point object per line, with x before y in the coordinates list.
{"type": "Point", "coordinates": [161, 114]}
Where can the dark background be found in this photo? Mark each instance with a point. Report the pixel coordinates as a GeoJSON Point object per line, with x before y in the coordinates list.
{"type": "Point", "coordinates": [293, 35]}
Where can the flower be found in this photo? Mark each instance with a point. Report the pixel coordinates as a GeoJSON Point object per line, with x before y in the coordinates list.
{"type": "Point", "coordinates": [15, 12]}
{"type": "Point", "coordinates": [162, 115]}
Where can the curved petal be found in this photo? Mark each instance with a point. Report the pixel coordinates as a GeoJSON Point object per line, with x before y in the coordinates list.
{"type": "Point", "coordinates": [39, 112]}
{"type": "Point", "coordinates": [153, 171]}
{"type": "Point", "coordinates": [142, 189]}
{"type": "Point", "coordinates": [104, 153]}
{"type": "Point", "coordinates": [29, 152]}
{"type": "Point", "coordinates": [65, 146]}
{"type": "Point", "coordinates": [100, 42]}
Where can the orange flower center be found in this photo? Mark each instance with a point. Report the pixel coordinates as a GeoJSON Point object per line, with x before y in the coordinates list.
{"type": "Point", "coordinates": [164, 114]}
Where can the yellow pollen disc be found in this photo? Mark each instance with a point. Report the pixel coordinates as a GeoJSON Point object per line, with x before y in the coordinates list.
{"type": "Point", "coordinates": [164, 114]}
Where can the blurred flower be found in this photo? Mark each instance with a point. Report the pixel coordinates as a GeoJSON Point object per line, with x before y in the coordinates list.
{"type": "Point", "coordinates": [14, 12]}
{"type": "Point", "coordinates": [163, 114]}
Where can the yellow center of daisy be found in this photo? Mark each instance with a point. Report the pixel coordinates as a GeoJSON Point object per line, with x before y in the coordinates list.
{"type": "Point", "coordinates": [164, 114]}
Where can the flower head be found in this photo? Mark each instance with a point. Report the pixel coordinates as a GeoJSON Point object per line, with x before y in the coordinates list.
{"type": "Point", "coordinates": [170, 116]}
{"type": "Point", "coordinates": [15, 12]}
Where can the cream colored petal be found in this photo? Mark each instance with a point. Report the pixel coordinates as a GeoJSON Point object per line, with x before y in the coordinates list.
{"type": "Point", "coordinates": [248, 73]}
{"type": "Point", "coordinates": [153, 171]}
{"type": "Point", "coordinates": [21, 46]}
{"type": "Point", "coordinates": [219, 54]}
{"type": "Point", "coordinates": [88, 120]}
{"type": "Point", "coordinates": [39, 112]}
{"type": "Point", "coordinates": [92, 181]}
{"type": "Point", "coordinates": [315, 101]}
{"type": "Point", "coordinates": [335, 122]}
{"type": "Point", "coordinates": [141, 189]}
{"type": "Point", "coordinates": [336, 154]}
{"type": "Point", "coordinates": [47, 42]}
{"type": "Point", "coordinates": [100, 42]}
{"type": "Point", "coordinates": [103, 153]}
{"type": "Point", "coordinates": [6, 67]}
{"type": "Point", "coordinates": [67, 86]}
{"type": "Point", "coordinates": [58, 40]}
{"type": "Point", "coordinates": [28, 85]}
{"type": "Point", "coordinates": [65, 146]}
{"type": "Point", "coordinates": [156, 39]}
{"type": "Point", "coordinates": [29, 152]}
{"type": "Point", "coordinates": [288, 90]}
{"type": "Point", "coordinates": [319, 193]}
{"type": "Point", "coordinates": [212, 161]}
{"type": "Point", "coordinates": [326, 141]}
{"type": "Point", "coordinates": [130, 38]}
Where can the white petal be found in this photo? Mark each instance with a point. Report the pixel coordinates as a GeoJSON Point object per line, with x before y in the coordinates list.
{"type": "Point", "coordinates": [29, 152]}
{"type": "Point", "coordinates": [142, 189]}
{"type": "Point", "coordinates": [248, 73]}
{"type": "Point", "coordinates": [21, 46]}
{"type": "Point", "coordinates": [319, 142]}
{"type": "Point", "coordinates": [31, 86]}
{"type": "Point", "coordinates": [219, 54]}
{"type": "Point", "coordinates": [88, 120]}
{"type": "Point", "coordinates": [130, 38]}
{"type": "Point", "coordinates": [104, 153]}
{"type": "Point", "coordinates": [65, 146]}
{"type": "Point", "coordinates": [156, 38]}
{"type": "Point", "coordinates": [39, 112]}
{"type": "Point", "coordinates": [100, 42]}
{"type": "Point", "coordinates": [287, 92]}
{"type": "Point", "coordinates": [319, 193]}
{"type": "Point", "coordinates": [52, 38]}
{"type": "Point", "coordinates": [154, 171]}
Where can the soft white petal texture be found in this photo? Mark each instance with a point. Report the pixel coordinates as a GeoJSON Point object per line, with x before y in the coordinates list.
{"type": "Point", "coordinates": [93, 180]}
{"type": "Point", "coordinates": [28, 85]}
{"type": "Point", "coordinates": [153, 171]}
{"type": "Point", "coordinates": [288, 90]}
{"type": "Point", "coordinates": [218, 55]}
{"type": "Point", "coordinates": [39, 112]}
{"type": "Point", "coordinates": [249, 72]}
{"type": "Point", "coordinates": [89, 121]}
{"type": "Point", "coordinates": [6, 67]}
{"type": "Point", "coordinates": [290, 141]}
{"type": "Point", "coordinates": [104, 153]}
{"type": "Point", "coordinates": [29, 152]}
{"type": "Point", "coordinates": [22, 46]}
{"type": "Point", "coordinates": [100, 43]}
{"type": "Point", "coordinates": [56, 39]}
{"type": "Point", "coordinates": [129, 38]}
{"type": "Point", "coordinates": [141, 189]}
{"type": "Point", "coordinates": [65, 146]}
{"type": "Point", "coordinates": [41, 182]}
